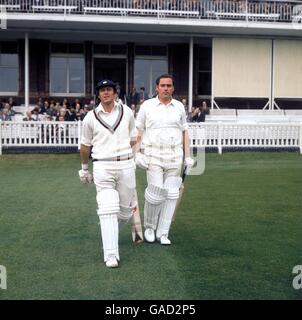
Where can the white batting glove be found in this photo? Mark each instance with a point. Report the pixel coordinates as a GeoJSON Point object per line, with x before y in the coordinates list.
{"type": "Point", "coordinates": [85, 176]}
{"type": "Point", "coordinates": [141, 161]}
{"type": "Point", "coordinates": [189, 162]}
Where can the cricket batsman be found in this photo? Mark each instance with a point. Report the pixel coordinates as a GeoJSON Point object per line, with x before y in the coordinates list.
{"type": "Point", "coordinates": [163, 131]}
{"type": "Point", "coordinates": [109, 133]}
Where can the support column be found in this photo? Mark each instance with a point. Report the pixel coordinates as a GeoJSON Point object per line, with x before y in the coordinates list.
{"type": "Point", "coordinates": [130, 66]}
{"type": "Point", "coordinates": [88, 68]}
{"type": "Point", "coordinates": [26, 78]}
{"type": "Point", "coordinates": [191, 56]}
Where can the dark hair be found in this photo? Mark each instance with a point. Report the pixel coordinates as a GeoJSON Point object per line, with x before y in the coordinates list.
{"type": "Point", "coordinates": [164, 76]}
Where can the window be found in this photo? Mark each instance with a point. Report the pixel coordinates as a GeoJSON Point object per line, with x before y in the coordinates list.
{"type": "Point", "coordinates": [150, 50]}
{"type": "Point", "coordinates": [146, 71]}
{"type": "Point", "coordinates": [74, 48]}
{"type": "Point", "coordinates": [110, 49]}
{"type": "Point", "coordinates": [150, 63]}
{"type": "Point", "coordinates": [9, 68]}
{"type": "Point", "coordinates": [67, 74]}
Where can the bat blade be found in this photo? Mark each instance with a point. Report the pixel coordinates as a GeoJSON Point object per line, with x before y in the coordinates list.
{"type": "Point", "coordinates": [137, 233]}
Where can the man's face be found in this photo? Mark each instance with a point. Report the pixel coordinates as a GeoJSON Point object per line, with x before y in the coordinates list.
{"type": "Point", "coordinates": [165, 88]}
{"type": "Point", "coordinates": [106, 95]}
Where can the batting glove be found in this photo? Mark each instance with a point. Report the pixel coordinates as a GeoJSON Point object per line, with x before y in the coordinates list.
{"type": "Point", "coordinates": [85, 176]}
{"type": "Point", "coordinates": [141, 161]}
{"type": "Point", "coordinates": [189, 162]}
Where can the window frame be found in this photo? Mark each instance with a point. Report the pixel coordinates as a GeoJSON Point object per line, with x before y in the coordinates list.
{"type": "Point", "coordinates": [12, 93]}
{"type": "Point", "coordinates": [151, 81]}
{"type": "Point", "coordinates": [67, 94]}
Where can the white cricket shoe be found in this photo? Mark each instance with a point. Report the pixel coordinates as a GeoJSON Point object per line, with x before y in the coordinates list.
{"type": "Point", "coordinates": [164, 240]}
{"type": "Point", "coordinates": [112, 262]}
{"type": "Point", "coordinates": [149, 235]}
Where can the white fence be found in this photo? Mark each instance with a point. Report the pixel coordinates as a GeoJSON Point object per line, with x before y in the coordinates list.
{"type": "Point", "coordinates": [39, 134]}
{"type": "Point", "coordinates": [247, 135]}
{"type": "Point", "coordinates": [215, 135]}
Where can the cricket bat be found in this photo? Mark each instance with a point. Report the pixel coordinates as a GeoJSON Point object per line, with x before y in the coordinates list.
{"type": "Point", "coordinates": [137, 233]}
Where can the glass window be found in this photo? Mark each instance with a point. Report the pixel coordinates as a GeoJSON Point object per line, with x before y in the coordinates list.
{"type": "Point", "coordinates": [101, 48]}
{"type": "Point", "coordinates": [67, 74]}
{"type": "Point", "coordinates": [58, 47]}
{"type": "Point", "coordinates": [141, 76]}
{"type": "Point", "coordinates": [58, 73]}
{"type": "Point", "coordinates": [110, 49]}
{"type": "Point", "coordinates": [151, 50]}
{"type": "Point", "coordinates": [9, 72]}
{"type": "Point", "coordinates": [118, 49]}
{"type": "Point", "coordinates": [146, 71]}
{"type": "Point", "coordinates": [143, 50]}
{"type": "Point", "coordinates": [159, 51]}
{"type": "Point", "coordinates": [76, 75]}
{"type": "Point", "coordinates": [76, 48]}
{"type": "Point", "coordinates": [8, 47]}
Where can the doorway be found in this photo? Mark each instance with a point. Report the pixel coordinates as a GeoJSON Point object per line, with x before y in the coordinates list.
{"type": "Point", "coordinates": [113, 69]}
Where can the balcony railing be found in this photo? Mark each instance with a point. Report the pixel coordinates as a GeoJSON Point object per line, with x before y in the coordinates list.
{"type": "Point", "coordinates": [246, 10]}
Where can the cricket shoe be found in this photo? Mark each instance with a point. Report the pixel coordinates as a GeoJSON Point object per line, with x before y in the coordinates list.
{"type": "Point", "coordinates": [112, 262]}
{"type": "Point", "coordinates": [164, 240]}
{"type": "Point", "coordinates": [149, 235]}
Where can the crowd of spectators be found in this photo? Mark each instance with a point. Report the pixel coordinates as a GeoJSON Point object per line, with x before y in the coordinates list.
{"type": "Point", "coordinates": [76, 110]}
{"type": "Point", "coordinates": [48, 109]}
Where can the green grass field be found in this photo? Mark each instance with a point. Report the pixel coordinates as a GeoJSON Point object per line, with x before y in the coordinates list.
{"type": "Point", "coordinates": [237, 235]}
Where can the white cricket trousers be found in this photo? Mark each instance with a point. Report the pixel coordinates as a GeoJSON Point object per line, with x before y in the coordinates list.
{"type": "Point", "coordinates": [115, 189]}
{"type": "Point", "coordinates": [157, 174]}
{"type": "Point", "coordinates": [157, 215]}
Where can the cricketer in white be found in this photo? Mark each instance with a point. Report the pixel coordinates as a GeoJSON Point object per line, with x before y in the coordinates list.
{"type": "Point", "coordinates": [110, 131]}
{"type": "Point", "coordinates": [163, 131]}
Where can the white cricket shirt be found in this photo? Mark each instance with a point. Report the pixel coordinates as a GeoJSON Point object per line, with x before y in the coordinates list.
{"type": "Point", "coordinates": [163, 127]}
{"type": "Point", "coordinates": [110, 134]}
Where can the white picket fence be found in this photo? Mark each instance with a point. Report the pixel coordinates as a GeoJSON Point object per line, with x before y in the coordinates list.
{"type": "Point", "coordinates": [246, 135]}
{"type": "Point", "coordinates": [39, 134]}
{"type": "Point", "coordinates": [215, 135]}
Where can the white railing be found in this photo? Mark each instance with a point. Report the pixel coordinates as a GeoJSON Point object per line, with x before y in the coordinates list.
{"type": "Point", "coordinates": [39, 134]}
{"type": "Point", "coordinates": [246, 135]}
{"type": "Point", "coordinates": [215, 135]}
{"type": "Point", "coordinates": [249, 10]}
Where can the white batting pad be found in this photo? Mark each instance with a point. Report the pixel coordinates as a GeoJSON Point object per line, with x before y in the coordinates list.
{"type": "Point", "coordinates": [108, 211]}
{"type": "Point", "coordinates": [172, 186]}
{"type": "Point", "coordinates": [154, 197]}
{"type": "Point", "coordinates": [124, 216]}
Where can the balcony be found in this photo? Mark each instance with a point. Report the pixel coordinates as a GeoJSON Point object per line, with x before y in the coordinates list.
{"type": "Point", "coordinates": [194, 10]}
